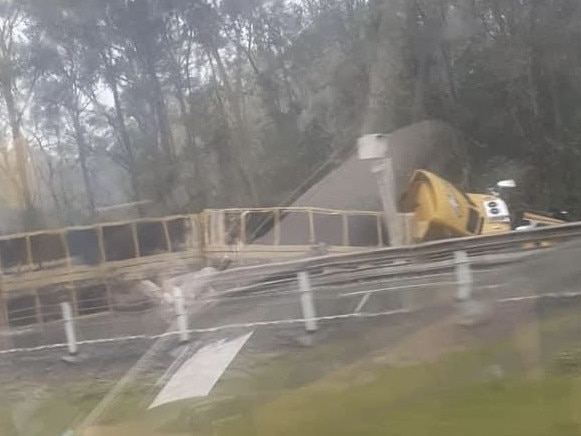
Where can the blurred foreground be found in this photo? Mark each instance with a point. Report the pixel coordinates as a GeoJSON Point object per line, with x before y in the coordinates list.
{"type": "Point", "coordinates": [514, 369]}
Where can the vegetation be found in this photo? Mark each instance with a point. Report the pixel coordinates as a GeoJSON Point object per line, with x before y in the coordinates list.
{"type": "Point", "coordinates": [422, 400]}
{"type": "Point", "coordinates": [190, 104]}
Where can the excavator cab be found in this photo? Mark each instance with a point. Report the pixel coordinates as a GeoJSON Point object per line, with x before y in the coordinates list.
{"type": "Point", "coordinates": [494, 208]}
{"type": "Point", "coordinates": [442, 211]}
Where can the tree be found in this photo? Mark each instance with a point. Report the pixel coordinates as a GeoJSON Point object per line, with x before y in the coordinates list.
{"type": "Point", "coordinates": [12, 81]}
{"type": "Point", "coordinates": [197, 104]}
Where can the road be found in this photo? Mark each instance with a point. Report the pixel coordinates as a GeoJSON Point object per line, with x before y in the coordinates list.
{"type": "Point", "coordinates": [361, 316]}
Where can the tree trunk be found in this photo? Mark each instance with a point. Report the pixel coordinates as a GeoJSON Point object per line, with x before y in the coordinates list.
{"type": "Point", "coordinates": [199, 194]}
{"type": "Point", "coordinates": [160, 108]}
{"type": "Point", "coordinates": [239, 137]}
{"type": "Point", "coordinates": [381, 114]}
{"type": "Point", "coordinates": [188, 123]}
{"type": "Point", "coordinates": [124, 134]}
{"type": "Point", "coordinates": [82, 148]}
{"type": "Point", "coordinates": [18, 142]}
{"type": "Point", "coordinates": [557, 115]}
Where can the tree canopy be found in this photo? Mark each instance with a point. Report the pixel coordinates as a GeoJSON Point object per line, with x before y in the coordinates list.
{"type": "Point", "coordinates": [190, 104]}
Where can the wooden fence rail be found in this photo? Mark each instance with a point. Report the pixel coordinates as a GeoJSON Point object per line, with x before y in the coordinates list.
{"type": "Point", "coordinates": [38, 270]}
{"type": "Point", "coordinates": [93, 267]}
{"type": "Point", "coordinates": [90, 266]}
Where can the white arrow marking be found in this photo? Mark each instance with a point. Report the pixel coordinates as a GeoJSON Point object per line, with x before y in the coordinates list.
{"type": "Point", "coordinates": [198, 375]}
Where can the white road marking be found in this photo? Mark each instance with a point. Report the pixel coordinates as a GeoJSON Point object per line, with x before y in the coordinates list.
{"type": "Point", "coordinates": [418, 285]}
{"type": "Point", "coordinates": [395, 288]}
{"type": "Point", "coordinates": [517, 299]}
{"type": "Point", "coordinates": [179, 360]}
{"type": "Point", "coordinates": [198, 375]}
{"type": "Point", "coordinates": [362, 302]}
{"type": "Point", "coordinates": [536, 297]}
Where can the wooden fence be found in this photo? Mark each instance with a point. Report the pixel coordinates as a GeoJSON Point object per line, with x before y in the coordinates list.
{"type": "Point", "coordinates": [90, 265]}
{"type": "Point", "coordinates": [275, 231]}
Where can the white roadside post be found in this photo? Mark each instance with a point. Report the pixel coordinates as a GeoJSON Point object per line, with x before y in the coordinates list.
{"type": "Point", "coordinates": [307, 303]}
{"type": "Point", "coordinates": [463, 276]}
{"type": "Point", "coordinates": [374, 148]}
{"type": "Point", "coordinates": [472, 312]}
{"type": "Point", "coordinates": [72, 346]}
{"type": "Point", "coordinates": [181, 315]}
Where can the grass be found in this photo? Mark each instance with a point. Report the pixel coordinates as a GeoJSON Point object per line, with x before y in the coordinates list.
{"type": "Point", "coordinates": [434, 399]}
{"type": "Point", "coordinates": [452, 396]}
{"type": "Point", "coordinates": [58, 406]}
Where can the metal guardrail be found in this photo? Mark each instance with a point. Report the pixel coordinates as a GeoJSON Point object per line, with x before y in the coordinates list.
{"type": "Point", "coordinates": [473, 245]}
{"type": "Point", "coordinates": [428, 251]}
{"type": "Point", "coordinates": [341, 277]}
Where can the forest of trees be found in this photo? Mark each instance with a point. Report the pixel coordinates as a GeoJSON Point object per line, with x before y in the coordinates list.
{"type": "Point", "coordinates": [193, 104]}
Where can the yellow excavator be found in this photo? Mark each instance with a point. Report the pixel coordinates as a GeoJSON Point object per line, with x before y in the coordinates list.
{"type": "Point", "coordinates": [443, 211]}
